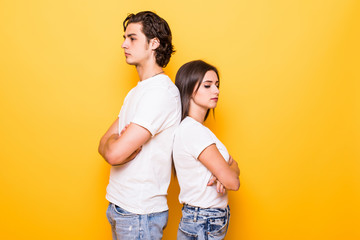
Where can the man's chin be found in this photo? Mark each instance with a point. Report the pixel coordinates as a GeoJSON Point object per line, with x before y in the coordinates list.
{"type": "Point", "coordinates": [130, 62]}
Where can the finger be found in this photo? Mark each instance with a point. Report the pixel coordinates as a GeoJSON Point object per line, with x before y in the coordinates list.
{"type": "Point", "coordinates": [230, 160]}
{"type": "Point", "coordinates": [211, 180]}
{"type": "Point", "coordinates": [137, 150]}
{"type": "Point", "coordinates": [134, 154]}
{"type": "Point", "coordinates": [218, 186]}
{"type": "Point", "coordinates": [223, 189]}
{"type": "Point", "coordinates": [123, 130]}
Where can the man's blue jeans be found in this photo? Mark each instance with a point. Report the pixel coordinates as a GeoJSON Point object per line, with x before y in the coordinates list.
{"type": "Point", "coordinates": [127, 225]}
{"type": "Point", "coordinates": [203, 223]}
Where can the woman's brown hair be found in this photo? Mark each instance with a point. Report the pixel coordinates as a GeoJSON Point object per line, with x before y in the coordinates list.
{"type": "Point", "coordinates": [189, 77]}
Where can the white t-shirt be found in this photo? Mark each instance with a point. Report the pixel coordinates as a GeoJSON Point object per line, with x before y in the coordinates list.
{"type": "Point", "coordinates": [191, 138]}
{"type": "Point", "coordinates": [140, 186]}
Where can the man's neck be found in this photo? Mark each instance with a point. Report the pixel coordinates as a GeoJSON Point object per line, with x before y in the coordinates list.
{"type": "Point", "coordinates": [148, 71]}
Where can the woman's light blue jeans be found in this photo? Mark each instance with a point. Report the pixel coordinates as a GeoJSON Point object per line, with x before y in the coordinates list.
{"type": "Point", "coordinates": [127, 225]}
{"type": "Point", "coordinates": [203, 223]}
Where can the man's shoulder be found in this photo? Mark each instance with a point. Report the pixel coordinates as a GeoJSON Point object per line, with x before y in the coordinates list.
{"type": "Point", "coordinates": [162, 85]}
{"type": "Point", "coordinates": [162, 80]}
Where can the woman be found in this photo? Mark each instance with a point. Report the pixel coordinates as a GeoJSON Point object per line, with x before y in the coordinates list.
{"type": "Point", "coordinates": [204, 168]}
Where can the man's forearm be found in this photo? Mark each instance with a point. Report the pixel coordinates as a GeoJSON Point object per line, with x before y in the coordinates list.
{"type": "Point", "coordinates": [109, 149]}
{"type": "Point", "coordinates": [113, 129]}
{"type": "Point", "coordinates": [119, 149]}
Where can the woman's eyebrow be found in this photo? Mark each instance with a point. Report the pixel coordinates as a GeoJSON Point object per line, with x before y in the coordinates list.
{"type": "Point", "coordinates": [210, 81]}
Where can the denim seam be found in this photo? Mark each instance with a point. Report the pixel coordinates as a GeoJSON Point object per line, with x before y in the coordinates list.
{"type": "Point", "coordinates": [187, 233]}
{"type": "Point", "coordinates": [129, 214]}
{"type": "Point", "coordinates": [219, 230]}
{"type": "Point", "coordinates": [227, 217]}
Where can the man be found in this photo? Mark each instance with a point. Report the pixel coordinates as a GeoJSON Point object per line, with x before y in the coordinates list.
{"type": "Point", "coordinates": [138, 144]}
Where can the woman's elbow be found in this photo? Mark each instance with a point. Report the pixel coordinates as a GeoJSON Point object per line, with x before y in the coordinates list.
{"type": "Point", "coordinates": [237, 185]}
{"type": "Point", "coordinates": [234, 185]}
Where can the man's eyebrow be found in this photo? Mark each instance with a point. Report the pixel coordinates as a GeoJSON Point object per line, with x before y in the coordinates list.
{"type": "Point", "coordinates": [130, 35]}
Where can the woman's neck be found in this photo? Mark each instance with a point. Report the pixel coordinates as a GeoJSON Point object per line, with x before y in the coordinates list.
{"type": "Point", "coordinates": [197, 113]}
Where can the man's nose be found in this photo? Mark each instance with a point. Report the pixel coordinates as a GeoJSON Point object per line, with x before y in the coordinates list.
{"type": "Point", "coordinates": [124, 44]}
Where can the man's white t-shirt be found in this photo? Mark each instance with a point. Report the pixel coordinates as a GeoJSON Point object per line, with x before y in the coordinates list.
{"type": "Point", "coordinates": [140, 186]}
{"type": "Point", "coordinates": [191, 138]}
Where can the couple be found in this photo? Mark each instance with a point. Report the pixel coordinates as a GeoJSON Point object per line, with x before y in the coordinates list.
{"type": "Point", "coordinates": [145, 137]}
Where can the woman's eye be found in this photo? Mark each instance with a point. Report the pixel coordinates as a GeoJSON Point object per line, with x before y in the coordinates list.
{"type": "Point", "coordinates": [207, 86]}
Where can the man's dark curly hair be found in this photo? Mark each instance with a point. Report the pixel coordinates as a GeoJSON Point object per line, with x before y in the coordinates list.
{"type": "Point", "coordinates": [154, 26]}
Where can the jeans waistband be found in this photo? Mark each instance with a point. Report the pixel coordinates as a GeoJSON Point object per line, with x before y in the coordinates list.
{"type": "Point", "coordinates": [206, 212]}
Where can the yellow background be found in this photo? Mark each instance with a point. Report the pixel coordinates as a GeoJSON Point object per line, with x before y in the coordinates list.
{"type": "Point", "coordinates": [289, 111]}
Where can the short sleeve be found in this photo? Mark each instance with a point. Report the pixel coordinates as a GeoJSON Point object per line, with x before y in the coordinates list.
{"type": "Point", "coordinates": [195, 139]}
{"type": "Point", "coordinates": [156, 110]}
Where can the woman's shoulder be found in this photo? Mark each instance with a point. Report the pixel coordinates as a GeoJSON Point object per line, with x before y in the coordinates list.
{"type": "Point", "coordinates": [190, 123]}
{"type": "Point", "coordinates": [190, 128]}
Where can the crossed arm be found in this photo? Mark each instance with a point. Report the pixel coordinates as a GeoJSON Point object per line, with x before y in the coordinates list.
{"type": "Point", "coordinates": [121, 148]}
{"type": "Point", "coordinates": [225, 173]}
{"type": "Point", "coordinates": [117, 148]}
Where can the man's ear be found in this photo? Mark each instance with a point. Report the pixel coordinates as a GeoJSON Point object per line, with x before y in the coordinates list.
{"type": "Point", "coordinates": [154, 43]}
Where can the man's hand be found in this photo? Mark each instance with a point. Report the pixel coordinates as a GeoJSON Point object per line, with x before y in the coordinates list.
{"type": "Point", "coordinates": [231, 160]}
{"type": "Point", "coordinates": [124, 129]}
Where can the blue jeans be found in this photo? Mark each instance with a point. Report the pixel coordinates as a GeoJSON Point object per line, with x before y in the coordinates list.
{"type": "Point", "coordinates": [127, 225]}
{"type": "Point", "coordinates": [203, 223]}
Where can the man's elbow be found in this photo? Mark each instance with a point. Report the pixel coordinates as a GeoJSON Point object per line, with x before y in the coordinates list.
{"type": "Point", "coordinates": [100, 150]}
{"type": "Point", "coordinates": [113, 159]}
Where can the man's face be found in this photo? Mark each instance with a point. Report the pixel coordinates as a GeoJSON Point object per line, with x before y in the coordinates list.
{"type": "Point", "coordinates": [135, 45]}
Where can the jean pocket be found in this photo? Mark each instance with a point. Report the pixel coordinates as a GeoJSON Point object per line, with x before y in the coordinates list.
{"type": "Point", "coordinates": [218, 227]}
{"type": "Point", "coordinates": [185, 235]}
{"type": "Point", "coordinates": [122, 212]}
{"type": "Point", "coordinates": [188, 229]}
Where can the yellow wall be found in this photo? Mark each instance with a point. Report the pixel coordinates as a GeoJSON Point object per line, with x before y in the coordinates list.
{"type": "Point", "coordinates": [289, 111]}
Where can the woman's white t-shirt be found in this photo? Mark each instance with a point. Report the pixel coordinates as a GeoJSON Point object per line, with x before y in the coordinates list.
{"type": "Point", "coordinates": [191, 138]}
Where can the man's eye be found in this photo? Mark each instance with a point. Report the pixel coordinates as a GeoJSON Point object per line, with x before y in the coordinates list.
{"type": "Point", "coordinates": [132, 39]}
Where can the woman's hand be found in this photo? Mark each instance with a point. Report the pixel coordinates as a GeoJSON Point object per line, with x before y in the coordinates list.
{"type": "Point", "coordinates": [219, 187]}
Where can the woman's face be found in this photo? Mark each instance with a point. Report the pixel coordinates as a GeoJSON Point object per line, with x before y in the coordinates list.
{"type": "Point", "coordinates": [208, 93]}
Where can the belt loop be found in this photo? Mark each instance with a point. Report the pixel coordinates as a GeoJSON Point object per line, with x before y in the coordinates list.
{"type": "Point", "coordinates": [228, 212]}
{"type": "Point", "coordinates": [196, 213]}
